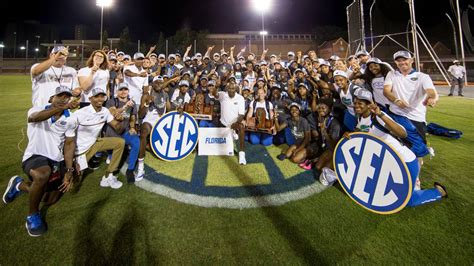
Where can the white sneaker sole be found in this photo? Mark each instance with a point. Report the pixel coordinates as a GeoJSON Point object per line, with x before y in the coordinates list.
{"type": "Point", "coordinates": [26, 226]}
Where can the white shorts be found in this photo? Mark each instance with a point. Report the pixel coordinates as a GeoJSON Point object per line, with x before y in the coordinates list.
{"type": "Point", "coordinates": [151, 118]}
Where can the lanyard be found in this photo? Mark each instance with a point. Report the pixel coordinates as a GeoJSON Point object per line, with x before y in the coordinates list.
{"type": "Point", "coordinates": [58, 79]}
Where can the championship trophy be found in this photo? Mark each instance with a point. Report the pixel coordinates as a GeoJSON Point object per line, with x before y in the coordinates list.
{"type": "Point", "coordinates": [198, 108]}
{"type": "Point", "coordinates": [259, 122]}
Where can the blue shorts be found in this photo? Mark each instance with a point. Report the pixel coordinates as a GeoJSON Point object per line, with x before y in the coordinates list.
{"type": "Point", "coordinates": [418, 145]}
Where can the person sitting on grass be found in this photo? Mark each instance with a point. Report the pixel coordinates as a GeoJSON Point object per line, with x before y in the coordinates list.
{"type": "Point", "coordinates": [376, 122]}
{"type": "Point", "coordinates": [329, 131]}
{"type": "Point", "coordinates": [48, 158]}
{"type": "Point", "coordinates": [297, 134]}
{"type": "Point", "coordinates": [261, 102]}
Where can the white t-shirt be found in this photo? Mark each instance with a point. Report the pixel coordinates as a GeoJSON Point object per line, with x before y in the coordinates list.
{"type": "Point", "coordinates": [44, 85]}
{"type": "Point", "coordinates": [346, 99]}
{"type": "Point", "coordinates": [377, 87]}
{"type": "Point", "coordinates": [412, 89]}
{"type": "Point", "coordinates": [135, 84]}
{"type": "Point", "coordinates": [251, 78]}
{"type": "Point", "coordinates": [262, 105]}
{"type": "Point", "coordinates": [366, 125]}
{"type": "Point", "coordinates": [89, 123]}
{"type": "Point", "coordinates": [457, 71]}
{"type": "Point", "coordinates": [176, 101]}
{"type": "Point", "coordinates": [100, 80]}
{"type": "Point", "coordinates": [231, 108]}
{"type": "Point", "coordinates": [46, 138]}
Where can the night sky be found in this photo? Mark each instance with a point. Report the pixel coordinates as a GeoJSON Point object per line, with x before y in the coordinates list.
{"type": "Point", "coordinates": [218, 16]}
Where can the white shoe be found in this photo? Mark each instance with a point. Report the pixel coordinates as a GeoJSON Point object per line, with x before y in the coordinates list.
{"type": "Point", "coordinates": [327, 177]}
{"type": "Point", "coordinates": [108, 160]}
{"type": "Point", "coordinates": [114, 183]}
{"type": "Point", "coordinates": [242, 158]}
{"type": "Point", "coordinates": [104, 182]}
{"type": "Point", "coordinates": [235, 136]}
{"type": "Point", "coordinates": [140, 174]}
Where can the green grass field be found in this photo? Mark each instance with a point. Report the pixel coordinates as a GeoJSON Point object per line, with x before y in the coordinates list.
{"type": "Point", "coordinates": [132, 226]}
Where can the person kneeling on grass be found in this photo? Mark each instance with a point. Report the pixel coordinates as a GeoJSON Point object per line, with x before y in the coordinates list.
{"type": "Point", "coordinates": [297, 134]}
{"type": "Point", "coordinates": [48, 158]}
{"type": "Point", "coordinates": [89, 122]}
{"type": "Point", "coordinates": [372, 120]}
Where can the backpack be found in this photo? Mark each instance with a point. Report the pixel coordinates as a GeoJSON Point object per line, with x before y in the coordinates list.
{"type": "Point", "coordinates": [435, 129]}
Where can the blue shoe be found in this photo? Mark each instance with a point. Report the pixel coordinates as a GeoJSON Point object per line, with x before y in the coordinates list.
{"type": "Point", "coordinates": [12, 192]}
{"type": "Point", "coordinates": [35, 225]}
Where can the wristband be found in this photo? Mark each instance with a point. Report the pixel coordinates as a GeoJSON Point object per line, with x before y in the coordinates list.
{"type": "Point", "coordinates": [68, 170]}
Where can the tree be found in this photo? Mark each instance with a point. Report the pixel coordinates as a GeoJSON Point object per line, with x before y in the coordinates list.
{"type": "Point", "coordinates": [328, 32]}
{"type": "Point", "coordinates": [124, 43]}
{"type": "Point", "coordinates": [105, 36]}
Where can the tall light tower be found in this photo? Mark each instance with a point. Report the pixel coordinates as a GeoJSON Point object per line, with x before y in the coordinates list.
{"type": "Point", "coordinates": [102, 4]}
{"type": "Point", "coordinates": [262, 6]}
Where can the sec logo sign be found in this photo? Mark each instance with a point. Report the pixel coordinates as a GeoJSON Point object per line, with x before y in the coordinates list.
{"type": "Point", "coordinates": [372, 173]}
{"type": "Point", "coordinates": [174, 136]}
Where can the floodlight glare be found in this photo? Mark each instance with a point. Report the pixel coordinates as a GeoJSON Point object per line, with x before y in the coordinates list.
{"type": "Point", "coordinates": [264, 32]}
{"type": "Point", "coordinates": [22, 48]}
{"type": "Point", "coordinates": [2, 45]}
{"type": "Point", "coordinates": [262, 6]}
{"type": "Point", "coordinates": [104, 3]}
{"type": "Point", "coordinates": [36, 49]}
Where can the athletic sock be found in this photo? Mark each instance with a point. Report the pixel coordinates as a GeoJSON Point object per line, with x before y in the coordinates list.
{"type": "Point", "coordinates": [141, 163]}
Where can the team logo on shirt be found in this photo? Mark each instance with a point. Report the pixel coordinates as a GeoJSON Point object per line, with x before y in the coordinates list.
{"type": "Point", "coordinates": [174, 136]}
{"type": "Point", "coordinates": [372, 173]}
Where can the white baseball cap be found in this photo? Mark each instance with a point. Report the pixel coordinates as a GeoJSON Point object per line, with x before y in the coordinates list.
{"type": "Point", "coordinates": [97, 91]}
{"type": "Point", "coordinates": [340, 73]}
{"type": "Point", "coordinates": [363, 94]}
{"type": "Point", "coordinates": [183, 83]}
{"type": "Point", "coordinates": [404, 54]}
{"type": "Point", "coordinates": [138, 56]}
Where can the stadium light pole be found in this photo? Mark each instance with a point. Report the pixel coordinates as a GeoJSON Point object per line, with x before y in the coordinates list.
{"type": "Point", "coordinates": [14, 44]}
{"type": "Point", "coordinates": [37, 45]}
{"type": "Point", "coordinates": [348, 26]}
{"type": "Point", "coordinates": [1, 56]}
{"type": "Point", "coordinates": [411, 4]}
{"type": "Point", "coordinates": [454, 35]}
{"type": "Point", "coordinates": [371, 28]}
{"type": "Point", "coordinates": [461, 41]}
{"type": "Point", "coordinates": [102, 4]}
{"type": "Point", "coordinates": [262, 6]}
